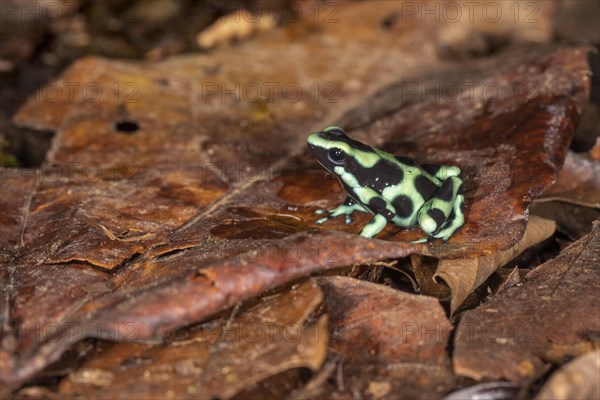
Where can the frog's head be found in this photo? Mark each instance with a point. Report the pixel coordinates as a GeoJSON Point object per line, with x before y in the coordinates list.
{"type": "Point", "coordinates": [336, 152]}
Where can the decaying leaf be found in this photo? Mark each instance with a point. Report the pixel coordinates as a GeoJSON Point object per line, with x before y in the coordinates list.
{"type": "Point", "coordinates": [215, 360]}
{"type": "Point", "coordinates": [466, 274]}
{"type": "Point", "coordinates": [578, 182]}
{"type": "Point", "coordinates": [387, 340]}
{"type": "Point", "coordinates": [171, 199]}
{"type": "Point", "coordinates": [546, 318]}
{"type": "Point", "coordinates": [577, 379]}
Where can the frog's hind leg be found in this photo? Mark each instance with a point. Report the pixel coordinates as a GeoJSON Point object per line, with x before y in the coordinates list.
{"type": "Point", "coordinates": [455, 220]}
{"type": "Point", "coordinates": [443, 215]}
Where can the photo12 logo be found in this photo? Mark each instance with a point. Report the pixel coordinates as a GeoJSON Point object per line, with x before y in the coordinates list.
{"type": "Point", "coordinates": [72, 172]}
{"type": "Point", "coordinates": [251, 92]}
{"type": "Point", "coordinates": [473, 91]}
{"type": "Point", "coordinates": [323, 252]}
{"type": "Point", "coordinates": [470, 11]}
{"type": "Point", "coordinates": [70, 331]}
{"type": "Point", "coordinates": [91, 92]}
{"type": "Point", "coordinates": [37, 11]}
{"type": "Point", "coordinates": [326, 12]}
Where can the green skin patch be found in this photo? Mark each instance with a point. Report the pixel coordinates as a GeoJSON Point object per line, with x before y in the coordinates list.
{"type": "Point", "coordinates": [393, 188]}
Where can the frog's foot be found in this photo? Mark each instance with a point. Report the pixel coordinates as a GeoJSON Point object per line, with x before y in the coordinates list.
{"type": "Point", "coordinates": [332, 214]}
{"type": "Point", "coordinates": [345, 209]}
{"type": "Point", "coordinates": [322, 220]}
{"type": "Point", "coordinates": [443, 215]}
{"type": "Point", "coordinates": [374, 227]}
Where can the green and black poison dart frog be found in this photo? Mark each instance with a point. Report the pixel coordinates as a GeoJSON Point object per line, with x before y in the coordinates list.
{"type": "Point", "coordinates": [393, 188]}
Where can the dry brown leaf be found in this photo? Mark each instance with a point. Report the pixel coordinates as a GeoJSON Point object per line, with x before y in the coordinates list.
{"type": "Point", "coordinates": [546, 319]}
{"type": "Point", "coordinates": [578, 379]}
{"type": "Point", "coordinates": [215, 360]}
{"type": "Point", "coordinates": [511, 280]}
{"type": "Point", "coordinates": [578, 182]}
{"type": "Point", "coordinates": [388, 341]}
{"type": "Point", "coordinates": [466, 274]}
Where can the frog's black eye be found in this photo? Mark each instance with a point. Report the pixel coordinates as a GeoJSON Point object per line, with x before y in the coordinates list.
{"type": "Point", "coordinates": [336, 155]}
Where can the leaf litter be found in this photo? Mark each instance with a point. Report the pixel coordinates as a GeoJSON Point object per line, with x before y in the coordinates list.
{"type": "Point", "coordinates": [168, 210]}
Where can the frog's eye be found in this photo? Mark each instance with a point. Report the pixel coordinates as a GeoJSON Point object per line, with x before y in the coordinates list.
{"type": "Point", "coordinates": [336, 155]}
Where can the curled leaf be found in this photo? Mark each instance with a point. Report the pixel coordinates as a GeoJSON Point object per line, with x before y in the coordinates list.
{"type": "Point", "coordinates": [465, 274]}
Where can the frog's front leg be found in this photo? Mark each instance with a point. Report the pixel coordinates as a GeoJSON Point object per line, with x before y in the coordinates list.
{"type": "Point", "coordinates": [347, 208]}
{"type": "Point", "coordinates": [383, 211]}
{"type": "Point", "coordinates": [374, 227]}
{"type": "Point", "coordinates": [442, 215]}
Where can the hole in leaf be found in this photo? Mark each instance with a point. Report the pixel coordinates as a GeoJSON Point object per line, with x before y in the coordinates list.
{"type": "Point", "coordinates": [389, 21]}
{"type": "Point", "coordinates": [127, 126]}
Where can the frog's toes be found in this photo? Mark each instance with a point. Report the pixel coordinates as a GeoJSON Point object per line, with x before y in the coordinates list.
{"type": "Point", "coordinates": [322, 220]}
{"type": "Point", "coordinates": [320, 211]}
{"type": "Point", "coordinates": [348, 220]}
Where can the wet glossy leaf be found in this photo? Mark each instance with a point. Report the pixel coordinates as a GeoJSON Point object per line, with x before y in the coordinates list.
{"type": "Point", "coordinates": [494, 149]}
{"type": "Point", "coordinates": [543, 320]}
